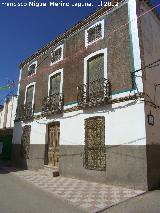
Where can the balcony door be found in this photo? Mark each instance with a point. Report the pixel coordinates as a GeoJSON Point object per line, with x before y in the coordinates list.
{"type": "Point", "coordinates": [28, 108]}
{"type": "Point", "coordinates": [29, 95]}
{"type": "Point", "coordinates": [55, 82]}
{"type": "Point", "coordinates": [53, 143]}
{"type": "Point", "coordinates": [95, 76]}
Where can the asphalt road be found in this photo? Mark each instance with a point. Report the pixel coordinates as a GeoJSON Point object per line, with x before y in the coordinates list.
{"type": "Point", "coordinates": [18, 196]}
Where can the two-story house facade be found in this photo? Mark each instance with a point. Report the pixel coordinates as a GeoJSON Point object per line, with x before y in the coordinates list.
{"type": "Point", "coordinates": [81, 106]}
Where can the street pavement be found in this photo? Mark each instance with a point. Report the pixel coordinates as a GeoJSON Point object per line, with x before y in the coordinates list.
{"type": "Point", "coordinates": [146, 203]}
{"type": "Point", "coordinates": [77, 195]}
{"type": "Point", "coordinates": [19, 196]}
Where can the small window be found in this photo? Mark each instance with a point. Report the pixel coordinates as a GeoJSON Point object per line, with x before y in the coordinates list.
{"type": "Point", "coordinates": [32, 68]}
{"type": "Point", "coordinates": [95, 33]}
{"type": "Point", "coordinates": [57, 54]}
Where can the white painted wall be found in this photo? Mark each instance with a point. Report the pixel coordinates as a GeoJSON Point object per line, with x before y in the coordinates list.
{"type": "Point", "coordinates": [4, 115]}
{"type": "Point", "coordinates": [12, 105]}
{"type": "Point", "coordinates": [17, 133]}
{"type": "Point", "coordinates": [38, 133]}
{"type": "Point", "coordinates": [124, 124]}
{"type": "Point", "coordinates": [7, 116]}
{"type": "Point", "coordinates": [14, 109]}
{"type": "Point", "coordinates": [1, 112]}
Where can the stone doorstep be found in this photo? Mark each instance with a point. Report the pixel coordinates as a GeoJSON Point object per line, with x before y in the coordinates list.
{"type": "Point", "coordinates": [50, 170]}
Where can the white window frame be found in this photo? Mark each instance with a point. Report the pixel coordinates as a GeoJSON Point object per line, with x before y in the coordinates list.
{"type": "Point", "coordinates": [51, 75]}
{"type": "Point", "coordinates": [86, 33]}
{"type": "Point", "coordinates": [31, 84]}
{"type": "Point", "coordinates": [102, 51]}
{"type": "Point", "coordinates": [35, 62]}
{"type": "Point", "coordinates": [62, 47]}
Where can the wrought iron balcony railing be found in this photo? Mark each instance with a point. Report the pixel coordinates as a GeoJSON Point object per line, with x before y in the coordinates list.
{"type": "Point", "coordinates": [25, 112]}
{"type": "Point", "coordinates": [52, 104]}
{"type": "Point", "coordinates": [94, 93]}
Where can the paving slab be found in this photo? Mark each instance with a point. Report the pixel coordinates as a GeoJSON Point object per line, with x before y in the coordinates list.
{"type": "Point", "coordinates": [89, 196]}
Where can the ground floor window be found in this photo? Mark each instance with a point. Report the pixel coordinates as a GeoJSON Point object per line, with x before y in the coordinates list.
{"type": "Point", "coordinates": [95, 151]}
{"type": "Point", "coordinates": [25, 142]}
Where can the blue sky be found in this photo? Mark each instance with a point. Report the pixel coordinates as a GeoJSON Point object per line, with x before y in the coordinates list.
{"type": "Point", "coordinates": [24, 30]}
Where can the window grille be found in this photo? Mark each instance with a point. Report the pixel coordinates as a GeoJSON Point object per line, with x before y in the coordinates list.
{"type": "Point", "coordinates": [25, 142]}
{"type": "Point", "coordinates": [31, 69]}
{"type": "Point", "coordinates": [56, 55]}
{"type": "Point", "coordinates": [95, 151]}
{"type": "Point", "coordinates": [94, 33]}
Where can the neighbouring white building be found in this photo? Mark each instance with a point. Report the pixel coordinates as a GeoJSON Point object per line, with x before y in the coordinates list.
{"type": "Point", "coordinates": [8, 113]}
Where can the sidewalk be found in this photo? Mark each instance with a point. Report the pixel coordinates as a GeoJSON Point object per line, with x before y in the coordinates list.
{"type": "Point", "coordinates": [88, 196]}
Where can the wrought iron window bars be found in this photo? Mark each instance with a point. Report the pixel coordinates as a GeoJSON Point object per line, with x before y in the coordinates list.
{"type": "Point", "coordinates": [94, 33]}
{"type": "Point", "coordinates": [56, 55]}
{"type": "Point", "coordinates": [95, 150]}
{"type": "Point", "coordinates": [94, 93]}
{"type": "Point", "coordinates": [25, 112]}
{"type": "Point", "coordinates": [52, 104]}
{"type": "Point", "coordinates": [31, 69]}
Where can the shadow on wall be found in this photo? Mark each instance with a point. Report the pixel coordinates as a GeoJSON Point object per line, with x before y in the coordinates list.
{"type": "Point", "coordinates": [26, 155]}
{"type": "Point", "coordinates": [5, 144]}
{"type": "Point", "coordinates": [20, 146]}
{"type": "Point", "coordinates": [153, 168]}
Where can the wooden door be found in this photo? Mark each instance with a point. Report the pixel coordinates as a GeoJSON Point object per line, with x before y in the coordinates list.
{"type": "Point", "coordinates": [53, 143]}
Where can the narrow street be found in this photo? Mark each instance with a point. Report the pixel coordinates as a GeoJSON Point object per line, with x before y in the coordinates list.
{"type": "Point", "coordinates": [59, 194]}
{"type": "Point", "coordinates": [18, 196]}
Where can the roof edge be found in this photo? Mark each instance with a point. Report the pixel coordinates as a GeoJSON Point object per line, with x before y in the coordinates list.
{"type": "Point", "coordinates": [70, 31]}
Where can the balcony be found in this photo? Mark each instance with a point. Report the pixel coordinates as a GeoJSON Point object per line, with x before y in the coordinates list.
{"type": "Point", "coordinates": [95, 93]}
{"type": "Point", "coordinates": [52, 104]}
{"type": "Point", "coordinates": [25, 112]}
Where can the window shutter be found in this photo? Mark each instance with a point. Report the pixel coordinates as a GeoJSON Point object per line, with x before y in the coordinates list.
{"type": "Point", "coordinates": [29, 95]}
{"type": "Point", "coordinates": [96, 68]}
{"type": "Point", "coordinates": [55, 84]}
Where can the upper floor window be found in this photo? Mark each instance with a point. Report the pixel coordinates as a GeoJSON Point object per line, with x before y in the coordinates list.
{"type": "Point", "coordinates": [57, 54]}
{"type": "Point", "coordinates": [95, 68]}
{"type": "Point", "coordinates": [29, 95]}
{"type": "Point", "coordinates": [96, 88]}
{"type": "Point", "coordinates": [32, 68]}
{"type": "Point", "coordinates": [94, 33]}
{"type": "Point", "coordinates": [54, 101]}
{"type": "Point", "coordinates": [55, 82]}
{"type": "Point", "coordinates": [95, 76]}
